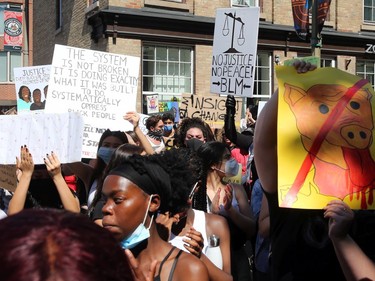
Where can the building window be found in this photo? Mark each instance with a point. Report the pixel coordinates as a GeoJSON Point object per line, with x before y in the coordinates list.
{"type": "Point", "coordinates": [369, 10]}
{"type": "Point", "coordinates": [8, 61]}
{"type": "Point", "coordinates": [262, 81]}
{"type": "Point", "coordinates": [366, 70]}
{"type": "Point", "coordinates": [327, 63]}
{"type": "Point", "coordinates": [2, 8]}
{"type": "Point", "coordinates": [58, 9]}
{"type": "Point", "coordinates": [245, 3]}
{"type": "Point", "coordinates": [167, 69]}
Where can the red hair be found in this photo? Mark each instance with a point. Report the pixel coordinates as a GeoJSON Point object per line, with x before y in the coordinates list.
{"type": "Point", "coordinates": [39, 245]}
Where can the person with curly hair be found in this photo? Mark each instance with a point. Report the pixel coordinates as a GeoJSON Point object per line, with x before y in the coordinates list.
{"type": "Point", "coordinates": [190, 229]}
{"type": "Point", "coordinates": [193, 132]}
{"type": "Point", "coordinates": [135, 192]}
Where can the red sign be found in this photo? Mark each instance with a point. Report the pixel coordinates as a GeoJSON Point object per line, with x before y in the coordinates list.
{"type": "Point", "coordinates": [12, 30]}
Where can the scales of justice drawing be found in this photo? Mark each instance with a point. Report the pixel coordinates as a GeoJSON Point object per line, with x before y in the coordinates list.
{"type": "Point", "coordinates": [226, 31]}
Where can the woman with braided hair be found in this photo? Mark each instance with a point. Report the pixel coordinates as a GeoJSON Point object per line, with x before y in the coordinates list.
{"type": "Point", "coordinates": [228, 200]}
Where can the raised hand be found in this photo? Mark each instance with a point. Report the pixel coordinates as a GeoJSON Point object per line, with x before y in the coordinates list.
{"type": "Point", "coordinates": [215, 205]}
{"type": "Point", "coordinates": [227, 200]}
{"type": "Point", "coordinates": [53, 164]}
{"type": "Point", "coordinates": [24, 164]}
{"type": "Point", "coordinates": [340, 218]}
{"type": "Point", "coordinates": [132, 117]}
{"type": "Point", "coordinates": [230, 104]}
{"type": "Point", "coordinates": [138, 274]}
{"type": "Point", "coordinates": [302, 66]}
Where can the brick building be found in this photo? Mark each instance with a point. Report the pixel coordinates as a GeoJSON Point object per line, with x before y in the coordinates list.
{"type": "Point", "coordinates": [174, 38]}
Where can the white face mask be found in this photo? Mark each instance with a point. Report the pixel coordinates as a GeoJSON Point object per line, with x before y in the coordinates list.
{"type": "Point", "coordinates": [140, 234]}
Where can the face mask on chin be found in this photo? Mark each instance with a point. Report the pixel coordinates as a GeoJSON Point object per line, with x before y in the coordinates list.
{"type": "Point", "coordinates": [194, 144]}
{"type": "Point", "coordinates": [140, 234]}
{"type": "Point", "coordinates": [105, 153]}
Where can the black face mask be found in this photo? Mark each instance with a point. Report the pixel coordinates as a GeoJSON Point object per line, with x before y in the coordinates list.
{"type": "Point", "coordinates": [194, 144]}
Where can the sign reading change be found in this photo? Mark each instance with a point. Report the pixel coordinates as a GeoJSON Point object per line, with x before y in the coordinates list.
{"type": "Point", "coordinates": [100, 86]}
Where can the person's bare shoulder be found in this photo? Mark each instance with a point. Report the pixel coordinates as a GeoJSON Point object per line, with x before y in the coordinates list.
{"type": "Point", "coordinates": [189, 267]}
{"type": "Point", "coordinates": [215, 223]}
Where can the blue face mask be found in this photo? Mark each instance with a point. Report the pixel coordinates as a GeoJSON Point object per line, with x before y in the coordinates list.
{"type": "Point", "coordinates": [105, 153]}
{"type": "Point", "coordinates": [168, 128]}
{"type": "Point", "coordinates": [231, 167]}
{"type": "Point", "coordinates": [140, 234]}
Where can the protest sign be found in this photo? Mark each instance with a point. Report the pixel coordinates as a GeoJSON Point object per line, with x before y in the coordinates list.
{"type": "Point", "coordinates": [152, 104]}
{"type": "Point", "coordinates": [8, 178]}
{"type": "Point", "coordinates": [325, 145]}
{"type": "Point", "coordinates": [31, 87]}
{"type": "Point", "coordinates": [235, 51]}
{"type": "Point", "coordinates": [171, 107]}
{"type": "Point", "coordinates": [211, 108]}
{"type": "Point", "coordinates": [101, 86]}
{"type": "Point", "coordinates": [142, 122]}
{"type": "Point", "coordinates": [42, 133]}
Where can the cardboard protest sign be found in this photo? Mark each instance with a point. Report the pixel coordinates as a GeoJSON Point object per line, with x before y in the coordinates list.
{"type": "Point", "coordinates": [8, 178]}
{"type": "Point", "coordinates": [325, 139]}
{"type": "Point", "coordinates": [31, 87]}
{"type": "Point", "coordinates": [235, 51]}
{"type": "Point", "coordinates": [211, 108]}
{"type": "Point", "coordinates": [101, 86]}
{"type": "Point", "coordinates": [42, 133]}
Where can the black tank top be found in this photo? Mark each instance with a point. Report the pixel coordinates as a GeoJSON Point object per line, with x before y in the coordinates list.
{"type": "Point", "coordinates": [300, 247]}
{"type": "Point", "coordinates": [157, 278]}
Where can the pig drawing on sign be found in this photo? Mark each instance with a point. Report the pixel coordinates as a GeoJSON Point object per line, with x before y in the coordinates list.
{"type": "Point", "coordinates": [336, 131]}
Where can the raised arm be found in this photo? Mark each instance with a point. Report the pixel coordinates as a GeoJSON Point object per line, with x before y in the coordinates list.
{"type": "Point", "coordinates": [133, 117]}
{"type": "Point", "coordinates": [354, 262]}
{"type": "Point", "coordinates": [231, 133]}
{"type": "Point", "coordinates": [68, 197]}
{"type": "Point", "coordinates": [265, 137]}
{"type": "Point", "coordinates": [25, 169]}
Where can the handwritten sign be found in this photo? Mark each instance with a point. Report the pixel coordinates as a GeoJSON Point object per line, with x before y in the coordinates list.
{"type": "Point", "coordinates": [31, 87]}
{"type": "Point", "coordinates": [42, 133]}
{"type": "Point", "coordinates": [100, 86]}
{"type": "Point", "coordinates": [235, 51]}
{"type": "Point", "coordinates": [8, 179]}
{"type": "Point", "coordinates": [211, 108]}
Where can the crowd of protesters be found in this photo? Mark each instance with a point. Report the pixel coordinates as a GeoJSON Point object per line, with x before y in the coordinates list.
{"type": "Point", "coordinates": [147, 207]}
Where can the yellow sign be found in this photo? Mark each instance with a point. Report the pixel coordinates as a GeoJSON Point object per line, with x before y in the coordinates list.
{"type": "Point", "coordinates": [325, 139]}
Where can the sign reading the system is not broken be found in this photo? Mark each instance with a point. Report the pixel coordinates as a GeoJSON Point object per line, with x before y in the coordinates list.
{"type": "Point", "coordinates": [101, 86]}
{"type": "Point", "coordinates": [235, 51]}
